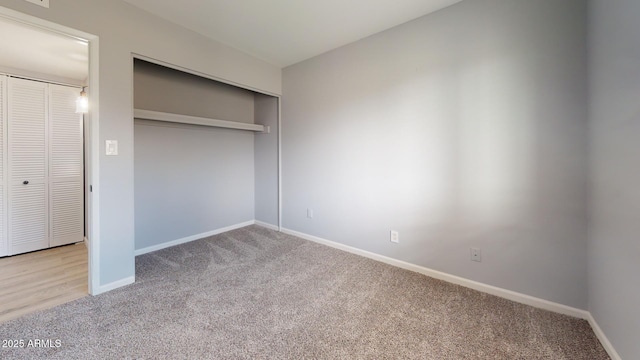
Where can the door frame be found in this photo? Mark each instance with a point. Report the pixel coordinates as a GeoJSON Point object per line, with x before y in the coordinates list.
{"type": "Point", "coordinates": [93, 156]}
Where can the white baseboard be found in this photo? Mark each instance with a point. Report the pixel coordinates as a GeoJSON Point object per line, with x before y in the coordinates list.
{"type": "Point", "coordinates": [191, 238]}
{"type": "Point", "coordinates": [606, 344]}
{"type": "Point", "coordinates": [267, 225]}
{"type": "Point", "coordinates": [114, 285]}
{"type": "Point", "coordinates": [489, 289]}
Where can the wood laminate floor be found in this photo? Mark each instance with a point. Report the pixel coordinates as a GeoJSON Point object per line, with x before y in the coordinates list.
{"type": "Point", "coordinates": [42, 280]}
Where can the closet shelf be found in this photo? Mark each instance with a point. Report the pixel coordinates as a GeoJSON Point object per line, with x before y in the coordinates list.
{"type": "Point", "coordinates": [194, 120]}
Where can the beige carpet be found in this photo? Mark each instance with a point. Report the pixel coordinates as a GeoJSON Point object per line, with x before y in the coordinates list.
{"type": "Point", "coordinates": [254, 293]}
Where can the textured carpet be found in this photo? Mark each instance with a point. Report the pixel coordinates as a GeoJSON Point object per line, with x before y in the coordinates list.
{"type": "Point", "coordinates": [254, 293]}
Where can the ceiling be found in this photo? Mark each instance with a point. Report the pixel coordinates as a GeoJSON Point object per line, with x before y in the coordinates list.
{"type": "Point", "coordinates": [30, 51]}
{"type": "Point", "coordinates": [284, 32]}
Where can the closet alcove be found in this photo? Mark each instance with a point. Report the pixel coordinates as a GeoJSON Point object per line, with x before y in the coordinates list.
{"type": "Point", "coordinates": [205, 157]}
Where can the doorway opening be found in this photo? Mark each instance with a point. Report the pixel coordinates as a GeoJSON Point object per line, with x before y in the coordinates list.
{"type": "Point", "coordinates": [48, 246]}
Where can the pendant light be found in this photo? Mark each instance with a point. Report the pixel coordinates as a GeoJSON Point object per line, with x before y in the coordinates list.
{"type": "Point", "coordinates": [82, 103]}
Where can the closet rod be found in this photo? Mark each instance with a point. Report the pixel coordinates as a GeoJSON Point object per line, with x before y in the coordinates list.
{"type": "Point", "coordinates": [194, 120]}
{"type": "Point", "coordinates": [33, 78]}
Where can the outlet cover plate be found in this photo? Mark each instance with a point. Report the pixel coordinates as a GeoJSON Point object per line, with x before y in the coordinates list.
{"type": "Point", "coordinates": [395, 237]}
{"type": "Point", "coordinates": [476, 255]}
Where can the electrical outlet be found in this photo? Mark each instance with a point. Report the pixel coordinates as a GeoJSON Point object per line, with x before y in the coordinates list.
{"type": "Point", "coordinates": [310, 213]}
{"type": "Point", "coordinates": [395, 237]}
{"type": "Point", "coordinates": [476, 255]}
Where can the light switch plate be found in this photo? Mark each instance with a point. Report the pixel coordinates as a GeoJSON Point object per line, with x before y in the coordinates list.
{"type": "Point", "coordinates": [111, 147]}
{"type": "Point", "coordinates": [43, 3]}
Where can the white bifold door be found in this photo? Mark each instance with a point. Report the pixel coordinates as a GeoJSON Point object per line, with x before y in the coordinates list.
{"type": "Point", "coordinates": [28, 175]}
{"type": "Point", "coordinates": [66, 198]}
{"type": "Point", "coordinates": [44, 173]}
{"type": "Point", "coordinates": [3, 166]}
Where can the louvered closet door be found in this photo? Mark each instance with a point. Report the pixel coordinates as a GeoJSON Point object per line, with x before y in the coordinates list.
{"type": "Point", "coordinates": [27, 140]}
{"type": "Point", "coordinates": [65, 167]}
{"type": "Point", "coordinates": [3, 197]}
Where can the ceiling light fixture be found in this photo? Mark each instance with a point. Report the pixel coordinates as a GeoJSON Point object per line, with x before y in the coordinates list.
{"type": "Point", "coordinates": [82, 103]}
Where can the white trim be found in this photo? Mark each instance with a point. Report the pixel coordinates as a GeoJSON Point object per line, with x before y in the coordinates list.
{"type": "Point", "coordinates": [93, 170]}
{"type": "Point", "coordinates": [489, 289]}
{"type": "Point", "coordinates": [279, 163]}
{"type": "Point", "coordinates": [267, 225]}
{"type": "Point", "coordinates": [114, 285]}
{"type": "Point", "coordinates": [606, 344]}
{"type": "Point", "coordinates": [191, 238]}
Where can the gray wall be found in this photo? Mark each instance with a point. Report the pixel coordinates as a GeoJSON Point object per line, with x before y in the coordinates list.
{"type": "Point", "coordinates": [190, 179]}
{"type": "Point", "coordinates": [123, 30]}
{"type": "Point", "coordinates": [266, 160]}
{"type": "Point", "coordinates": [162, 89]}
{"type": "Point", "coordinates": [614, 247]}
{"type": "Point", "coordinates": [464, 128]}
